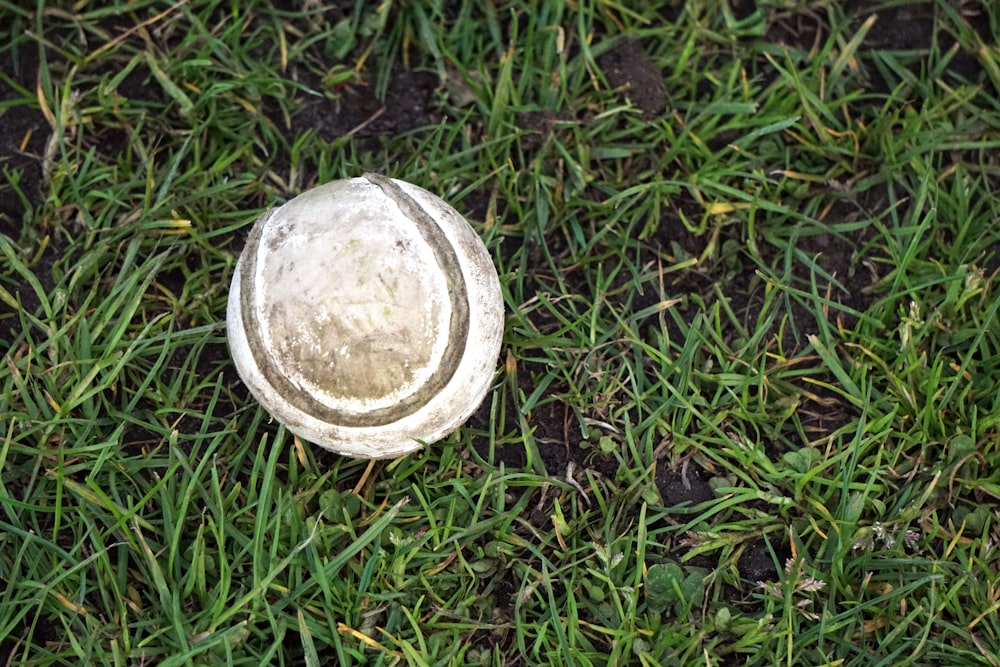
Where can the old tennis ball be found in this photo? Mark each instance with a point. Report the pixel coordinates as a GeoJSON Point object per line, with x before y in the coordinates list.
{"type": "Point", "coordinates": [366, 316]}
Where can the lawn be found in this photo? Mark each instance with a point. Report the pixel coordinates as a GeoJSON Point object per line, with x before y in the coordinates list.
{"type": "Point", "coordinates": [746, 409]}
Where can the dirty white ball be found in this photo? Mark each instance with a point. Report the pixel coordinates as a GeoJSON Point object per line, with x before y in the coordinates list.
{"type": "Point", "coordinates": [366, 316]}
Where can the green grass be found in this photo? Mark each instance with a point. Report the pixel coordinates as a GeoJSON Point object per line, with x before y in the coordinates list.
{"type": "Point", "coordinates": [784, 286]}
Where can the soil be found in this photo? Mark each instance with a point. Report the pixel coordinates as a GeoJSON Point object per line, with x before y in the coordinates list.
{"type": "Point", "coordinates": [410, 103]}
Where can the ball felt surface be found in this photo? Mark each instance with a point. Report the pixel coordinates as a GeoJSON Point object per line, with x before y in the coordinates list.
{"type": "Point", "coordinates": [366, 315]}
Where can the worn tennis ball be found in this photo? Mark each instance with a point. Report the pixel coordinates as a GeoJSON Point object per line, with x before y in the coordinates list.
{"type": "Point", "coordinates": [366, 316]}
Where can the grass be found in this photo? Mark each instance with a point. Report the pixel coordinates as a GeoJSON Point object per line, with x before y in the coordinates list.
{"type": "Point", "coordinates": [780, 292]}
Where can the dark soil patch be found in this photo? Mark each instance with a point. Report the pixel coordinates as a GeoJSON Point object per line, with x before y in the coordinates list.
{"type": "Point", "coordinates": [633, 73]}
{"type": "Point", "coordinates": [23, 137]}
{"type": "Point", "coordinates": [22, 144]}
{"type": "Point", "coordinates": [915, 27]}
{"type": "Point", "coordinates": [356, 111]}
{"type": "Point", "coordinates": [835, 266]}
{"type": "Point", "coordinates": [683, 486]}
{"type": "Point", "coordinates": [539, 125]}
{"type": "Point", "coordinates": [757, 564]}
